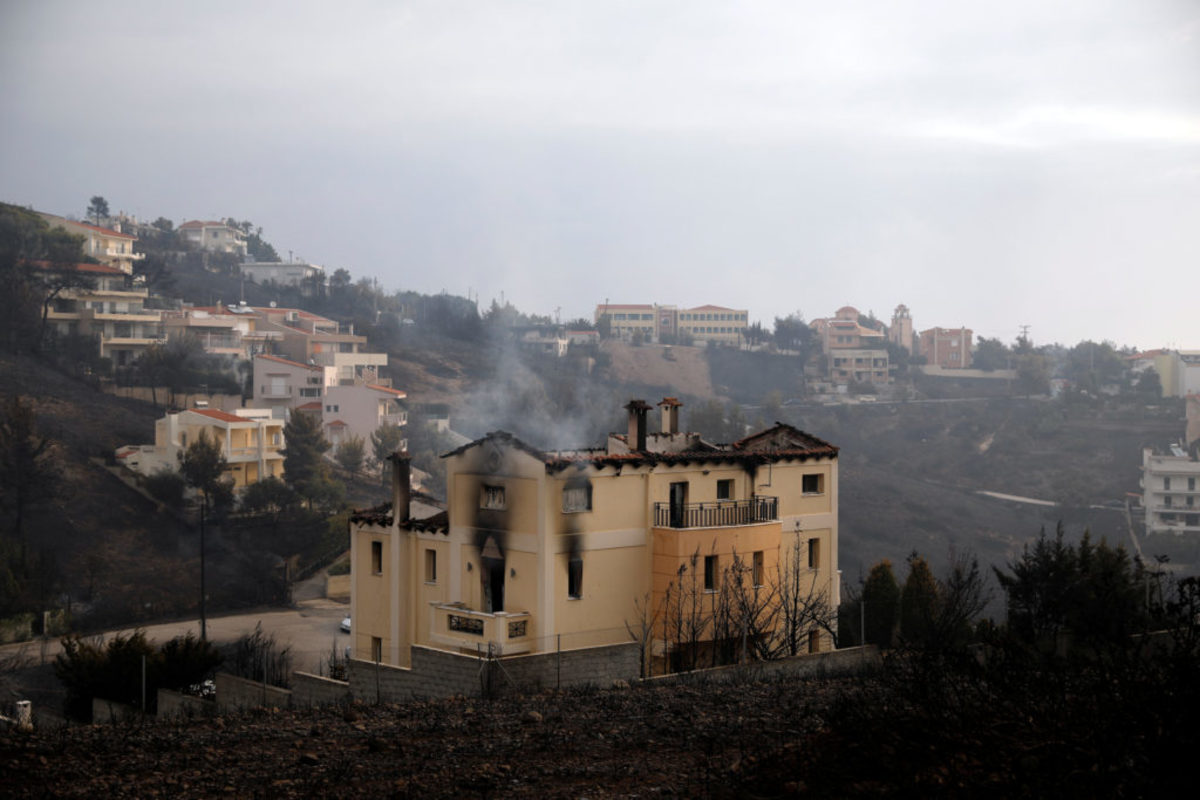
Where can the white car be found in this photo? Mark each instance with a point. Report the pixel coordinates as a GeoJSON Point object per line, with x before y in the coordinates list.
{"type": "Point", "coordinates": [345, 626]}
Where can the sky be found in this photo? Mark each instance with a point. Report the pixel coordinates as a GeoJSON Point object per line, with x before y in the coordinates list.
{"type": "Point", "coordinates": [988, 165]}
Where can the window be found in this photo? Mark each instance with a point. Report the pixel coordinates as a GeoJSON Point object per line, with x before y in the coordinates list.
{"type": "Point", "coordinates": [710, 573]}
{"type": "Point", "coordinates": [1167, 483]}
{"type": "Point", "coordinates": [814, 553]}
{"type": "Point", "coordinates": [1191, 484]}
{"type": "Point", "coordinates": [377, 558]}
{"type": "Point", "coordinates": [577, 498]}
{"type": "Point", "coordinates": [376, 649]}
{"type": "Point", "coordinates": [813, 483]}
{"type": "Point", "coordinates": [725, 489]}
{"type": "Point", "coordinates": [758, 567]}
{"type": "Point", "coordinates": [492, 497]}
{"type": "Point", "coordinates": [431, 566]}
{"type": "Point", "coordinates": [1167, 501]}
{"type": "Point", "coordinates": [814, 641]}
{"type": "Point", "coordinates": [575, 578]}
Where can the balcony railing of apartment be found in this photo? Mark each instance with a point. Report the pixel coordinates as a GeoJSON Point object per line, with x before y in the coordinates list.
{"type": "Point", "coordinates": [266, 390]}
{"type": "Point", "coordinates": [393, 419]}
{"type": "Point", "coordinates": [722, 513]}
{"type": "Point", "coordinates": [507, 632]}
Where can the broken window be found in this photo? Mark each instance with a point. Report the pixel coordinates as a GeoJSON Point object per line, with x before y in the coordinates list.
{"type": "Point", "coordinates": [376, 649]}
{"type": "Point", "coordinates": [813, 483]}
{"type": "Point", "coordinates": [758, 567]}
{"type": "Point", "coordinates": [577, 498]}
{"type": "Point", "coordinates": [431, 566]}
{"type": "Point", "coordinates": [725, 489]}
{"type": "Point", "coordinates": [377, 558]}
{"type": "Point", "coordinates": [575, 578]}
{"type": "Point", "coordinates": [710, 573]}
{"type": "Point", "coordinates": [814, 553]}
{"type": "Point", "coordinates": [492, 497]}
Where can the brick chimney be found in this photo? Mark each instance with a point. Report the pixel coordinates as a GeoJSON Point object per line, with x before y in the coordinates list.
{"type": "Point", "coordinates": [401, 486]}
{"type": "Point", "coordinates": [670, 414]}
{"type": "Point", "coordinates": [636, 437]}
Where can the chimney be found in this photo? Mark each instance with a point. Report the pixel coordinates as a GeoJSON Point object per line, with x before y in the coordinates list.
{"type": "Point", "coordinates": [670, 414]}
{"type": "Point", "coordinates": [401, 487]}
{"type": "Point", "coordinates": [636, 438]}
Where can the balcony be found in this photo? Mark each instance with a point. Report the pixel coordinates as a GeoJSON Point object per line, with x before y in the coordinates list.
{"type": "Point", "coordinates": [268, 392]}
{"type": "Point", "coordinates": [504, 632]}
{"type": "Point", "coordinates": [721, 514]}
{"type": "Point", "coordinates": [395, 420]}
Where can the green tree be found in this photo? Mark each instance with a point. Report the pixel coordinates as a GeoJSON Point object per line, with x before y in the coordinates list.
{"type": "Point", "coordinates": [304, 467]}
{"type": "Point", "coordinates": [881, 600]}
{"type": "Point", "coordinates": [919, 603]}
{"type": "Point", "coordinates": [1033, 375]}
{"type": "Point", "coordinates": [1149, 383]}
{"type": "Point", "coordinates": [350, 454]}
{"type": "Point", "coordinates": [990, 355]}
{"type": "Point", "coordinates": [97, 210]}
{"type": "Point", "coordinates": [1093, 592]}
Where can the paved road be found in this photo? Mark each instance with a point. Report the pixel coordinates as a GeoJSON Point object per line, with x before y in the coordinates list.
{"type": "Point", "coordinates": [311, 629]}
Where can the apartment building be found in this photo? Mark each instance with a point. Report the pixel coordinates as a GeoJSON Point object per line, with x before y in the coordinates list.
{"type": "Point", "coordinates": [281, 384]}
{"type": "Point", "coordinates": [284, 273]}
{"type": "Point", "coordinates": [112, 309]}
{"type": "Point", "coordinates": [312, 339]}
{"type": "Point", "coordinates": [948, 348]}
{"type": "Point", "coordinates": [250, 440]}
{"type": "Point", "coordinates": [853, 352]}
{"type": "Point", "coordinates": [110, 247]}
{"type": "Point", "coordinates": [660, 323]}
{"type": "Point", "coordinates": [1171, 480]}
{"type": "Point", "coordinates": [360, 410]}
{"type": "Point", "coordinates": [539, 551]}
{"type": "Point", "coordinates": [215, 237]}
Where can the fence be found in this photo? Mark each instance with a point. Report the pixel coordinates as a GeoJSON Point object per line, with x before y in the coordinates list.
{"type": "Point", "coordinates": [718, 514]}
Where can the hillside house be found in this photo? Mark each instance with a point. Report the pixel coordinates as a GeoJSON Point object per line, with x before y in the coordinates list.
{"type": "Point", "coordinates": [215, 237]}
{"type": "Point", "coordinates": [544, 550]}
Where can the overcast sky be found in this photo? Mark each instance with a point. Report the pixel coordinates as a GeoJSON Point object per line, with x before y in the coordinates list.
{"type": "Point", "coordinates": [989, 165]}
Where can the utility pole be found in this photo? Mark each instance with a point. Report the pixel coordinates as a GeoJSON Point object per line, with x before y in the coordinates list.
{"type": "Point", "coordinates": [203, 616]}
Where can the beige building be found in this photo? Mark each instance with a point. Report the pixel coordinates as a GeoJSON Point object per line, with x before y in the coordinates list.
{"type": "Point", "coordinates": [655, 323]}
{"type": "Point", "coordinates": [252, 443]}
{"type": "Point", "coordinates": [1171, 480]}
{"type": "Point", "coordinates": [901, 332]}
{"type": "Point", "coordinates": [112, 309]}
{"type": "Point", "coordinates": [109, 247]}
{"type": "Point", "coordinates": [541, 551]}
{"type": "Point", "coordinates": [853, 351]}
{"type": "Point", "coordinates": [215, 237]}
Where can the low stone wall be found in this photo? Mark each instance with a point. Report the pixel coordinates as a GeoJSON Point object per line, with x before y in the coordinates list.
{"type": "Point", "coordinates": [439, 673]}
{"type": "Point", "coordinates": [173, 704]}
{"type": "Point", "coordinates": [316, 690]}
{"type": "Point", "coordinates": [106, 712]}
{"type": "Point", "coordinates": [234, 693]}
{"type": "Point", "coordinates": [832, 662]}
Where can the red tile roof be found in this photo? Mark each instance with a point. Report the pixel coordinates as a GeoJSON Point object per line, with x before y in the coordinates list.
{"type": "Point", "coordinates": [97, 269]}
{"type": "Point", "coordinates": [388, 389]}
{"type": "Point", "coordinates": [223, 416]}
{"type": "Point", "coordinates": [313, 406]}
{"type": "Point", "coordinates": [337, 423]}
{"type": "Point", "coordinates": [90, 227]}
{"type": "Point", "coordinates": [289, 363]}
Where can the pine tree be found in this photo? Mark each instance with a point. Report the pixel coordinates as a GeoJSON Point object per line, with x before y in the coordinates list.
{"type": "Point", "coordinates": [881, 597]}
{"type": "Point", "coordinates": [918, 603]}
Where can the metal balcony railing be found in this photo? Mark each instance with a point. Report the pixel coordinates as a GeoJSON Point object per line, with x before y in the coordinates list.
{"type": "Point", "coordinates": [722, 513]}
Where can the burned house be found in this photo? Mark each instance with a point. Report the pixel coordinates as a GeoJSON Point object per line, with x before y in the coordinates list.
{"type": "Point", "coordinates": [550, 551]}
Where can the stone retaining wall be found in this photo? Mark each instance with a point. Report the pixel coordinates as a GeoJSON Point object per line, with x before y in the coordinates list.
{"type": "Point", "coordinates": [317, 690]}
{"type": "Point", "coordinates": [235, 693]}
{"type": "Point", "coordinates": [173, 704]}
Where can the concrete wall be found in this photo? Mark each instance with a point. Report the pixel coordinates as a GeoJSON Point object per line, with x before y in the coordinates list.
{"type": "Point", "coordinates": [337, 587]}
{"type": "Point", "coordinates": [438, 673]}
{"type": "Point", "coordinates": [173, 704]}
{"type": "Point", "coordinates": [316, 690]}
{"type": "Point", "coordinates": [235, 693]}
{"type": "Point", "coordinates": [832, 662]}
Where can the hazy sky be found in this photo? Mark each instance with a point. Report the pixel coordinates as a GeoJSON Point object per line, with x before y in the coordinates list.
{"type": "Point", "coordinates": [989, 165]}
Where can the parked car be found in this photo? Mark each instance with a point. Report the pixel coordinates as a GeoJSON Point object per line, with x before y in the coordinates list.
{"type": "Point", "coordinates": [345, 626]}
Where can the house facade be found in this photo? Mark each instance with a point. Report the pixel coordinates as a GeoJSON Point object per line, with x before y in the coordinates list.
{"type": "Point", "coordinates": [657, 323]}
{"type": "Point", "coordinates": [111, 309]}
{"type": "Point", "coordinates": [853, 352]}
{"type": "Point", "coordinates": [1171, 480]}
{"type": "Point", "coordinates": [283, 273]}
{"type": "Point", "coordinates": [110, 247]}
{"type": "Point", "coordinates": [545, 550]}
{"type": "Point", "coordinates": [215, 237]}
{"type": "Point", "coordinates": [251, 442]}
{"type": "Point", "coordinates": [948, 348]}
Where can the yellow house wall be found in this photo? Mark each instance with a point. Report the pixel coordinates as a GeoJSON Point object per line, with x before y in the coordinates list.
{"type": "Point", "coordinates": [372, 599]}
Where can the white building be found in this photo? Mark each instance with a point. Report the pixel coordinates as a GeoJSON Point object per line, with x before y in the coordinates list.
{"type": "Point", "coordinates": [1171, 481]}
{"type": "Point", "coordinates": [215, 237]}
{"type": "Point", "coordinates": [283, 273]}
